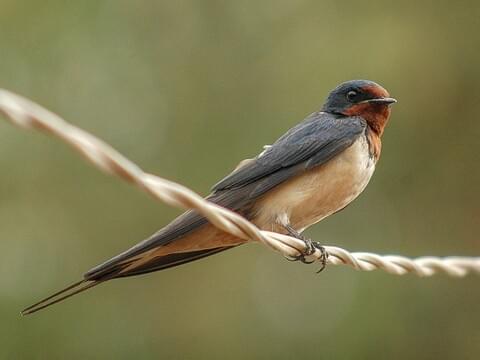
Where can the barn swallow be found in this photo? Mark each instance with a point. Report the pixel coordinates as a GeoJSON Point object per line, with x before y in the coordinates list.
{"type": "Point", "coordinates": [314, 170]}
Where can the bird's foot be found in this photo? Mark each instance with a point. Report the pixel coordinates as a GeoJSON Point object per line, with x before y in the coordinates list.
{"type": "Point", "coordinates": [310, 248]}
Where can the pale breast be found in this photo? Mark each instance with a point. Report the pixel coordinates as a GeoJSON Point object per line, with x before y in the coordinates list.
{"type": "Point", "coordinates": [320, 192]}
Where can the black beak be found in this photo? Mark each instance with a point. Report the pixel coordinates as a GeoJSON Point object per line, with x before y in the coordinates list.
{"type": "Point", "coordinates": [383, 100]}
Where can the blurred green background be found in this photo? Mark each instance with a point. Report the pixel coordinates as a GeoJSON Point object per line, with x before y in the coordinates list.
{"type": "Point", "coordinates": [189, 88]}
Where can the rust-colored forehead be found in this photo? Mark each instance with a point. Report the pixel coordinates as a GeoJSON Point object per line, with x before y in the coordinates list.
{"type": "Point", "coordinates": [376, 90]}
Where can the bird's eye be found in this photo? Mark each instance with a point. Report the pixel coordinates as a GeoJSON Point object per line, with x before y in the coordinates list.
{"type": "Point", "coordinates": [351, 95]}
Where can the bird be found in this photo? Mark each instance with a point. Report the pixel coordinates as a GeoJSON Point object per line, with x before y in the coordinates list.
{"type": "Point", "coordinates": [314, 170]}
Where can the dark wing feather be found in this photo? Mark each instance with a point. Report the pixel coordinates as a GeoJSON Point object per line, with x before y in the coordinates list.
{"type": "Point", "coordinates": [311, 143]}
{"type": "Point", "coordinates": [320, 137]}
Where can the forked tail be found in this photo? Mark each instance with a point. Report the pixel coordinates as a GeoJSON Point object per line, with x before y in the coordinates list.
{"type": "Point", "coordinates": [63, 294]}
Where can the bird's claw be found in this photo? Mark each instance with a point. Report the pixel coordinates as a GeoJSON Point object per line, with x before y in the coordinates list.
{"type": "Point", "coordinates": [300, 257]}
{"type": "Point", "coordinates": [310, 247]}
{"type": "Point", "coordinates": [323, 257]}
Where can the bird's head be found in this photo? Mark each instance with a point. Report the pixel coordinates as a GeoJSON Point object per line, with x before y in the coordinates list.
{"type": "Point", "coordinates": [361, 98]}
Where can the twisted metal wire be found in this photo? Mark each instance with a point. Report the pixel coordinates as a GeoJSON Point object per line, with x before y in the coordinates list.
{"type": "Point", "coordinates": [24, 113]}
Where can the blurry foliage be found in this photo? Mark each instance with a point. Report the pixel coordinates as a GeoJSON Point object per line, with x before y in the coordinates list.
{"type": "Point", "coordinates": [189, 88]}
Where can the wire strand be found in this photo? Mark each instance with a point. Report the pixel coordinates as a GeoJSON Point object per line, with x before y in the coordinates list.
{"type": "Point", "coordinates": [26, 114]}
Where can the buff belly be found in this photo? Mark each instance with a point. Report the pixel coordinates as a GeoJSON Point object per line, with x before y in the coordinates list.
{"type": "Point", "coordinates": [320, 192]}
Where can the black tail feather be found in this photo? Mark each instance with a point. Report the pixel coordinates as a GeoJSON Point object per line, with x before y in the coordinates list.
{"type": "Point", "coordinates": [24, 311]}
{"type": "Point", "coordinates": [65, 293]}
{"type": "Point", "coordinates": [53, 299]}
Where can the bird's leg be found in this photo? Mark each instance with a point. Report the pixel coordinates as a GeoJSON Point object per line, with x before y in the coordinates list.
{"type": "Point", "coordinates": [310, 247]}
